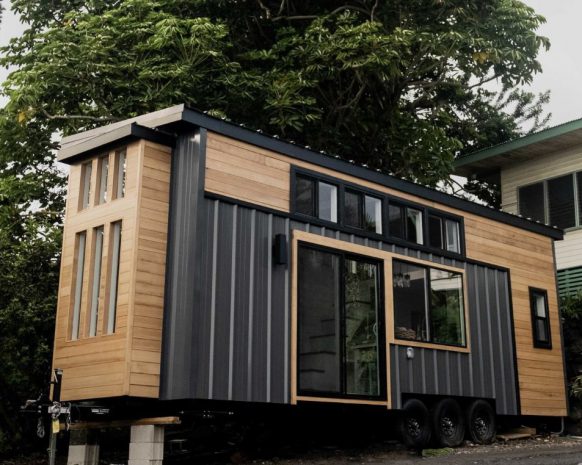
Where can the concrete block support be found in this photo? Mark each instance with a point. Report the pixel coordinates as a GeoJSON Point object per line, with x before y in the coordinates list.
{"type": "Point", "coordinates": [146, 445]}
{"type": "Point", "coordinates": [83, 448]}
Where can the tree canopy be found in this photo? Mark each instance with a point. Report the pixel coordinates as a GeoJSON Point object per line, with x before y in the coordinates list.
{"type": "Point", "coordinates": [399, 85]}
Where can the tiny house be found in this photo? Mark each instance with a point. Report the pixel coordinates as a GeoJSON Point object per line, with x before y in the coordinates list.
{"type": "Point", "coordinates": [204, 261]}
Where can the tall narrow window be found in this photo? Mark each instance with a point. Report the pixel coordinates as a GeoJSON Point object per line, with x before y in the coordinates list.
{"type": "Point", "coordinates": [540, 318]}
{"type": "Point", "coordinates": [446, 308]}
{"type": "Point", "coordinates": [305, 195]}
{"type": "Point", "coordinates": [435, 231]}
{"type": "Point", "coordinates": [561, 202]}
{"type": "Point", "coordinates": [96, 281]}
{"type": "Point", "coordinates": [372, 214]}
{"type": "Point", "coordinates": [414, 225]}
{"type": "Point", "coordinates": [327, 202]}
{"type": "Point", "coordinates": [80, 241]}
{"type": "Point", "coordinates": [453, 235]}
{"type": "Point", "coordinates": [531, 202]}
{"type": "Point", "coordinates": [120, 174]}
{"type": "Point", "coordinates": [339, 324]}
{"type": "Point", "coordinates": [115, 247]}
{"type": "Point", "coordinates": [103, 167]}
{"type": "Point", "coordinates": [86, 172]}
{"type": "Point", "coordinates": [395, 221]}
{"type": "Point", "coordinates": [410, 298]}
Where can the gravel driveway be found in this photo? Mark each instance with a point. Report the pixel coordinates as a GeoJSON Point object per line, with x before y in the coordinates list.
{"type": "Point", "coordinates": [540, 451]}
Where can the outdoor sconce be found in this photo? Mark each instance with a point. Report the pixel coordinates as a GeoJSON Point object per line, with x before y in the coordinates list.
{"type": "Point", "coordinates": [280, 249]}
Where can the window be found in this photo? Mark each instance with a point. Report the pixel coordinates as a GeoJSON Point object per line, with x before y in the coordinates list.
{"type": "Point", "coordinates": [540, 318]}
{"type": "Point", "coordinates": [86, 171]}
{"type": "Point", "coordinates": [561, 202]}
{"type": "Point", "coordinates": [120, 174]}
{"type": "Point", "coordinates": [363, 211]}
{"type": "Point", "coordinates": [405, 223]}
{"type": "Point", "coordinates": [444, 233]}
{"type": "Point", "coordinates": [96, 281]}
{"type": "Point", "coordinates": [79, 266]}
{"type": "Point", "coordinates": [338, 322]}
{"type": "Point", "coordinates": [531, 202]}
{"type": "Point", "coordinates": [374, 214]}
{"type": "Point", "coordinates": [316, 198]}
{"type": "Point", "coordinates": [428, 304]}
{"type": "Point", "coordinates": [556, 201]}
{"type": "Point", "coordinates": [115, 247]}
{"type": "Point", "coordinates": [327, 202]}
{"type": "Point", "coordinates": [103, 171]}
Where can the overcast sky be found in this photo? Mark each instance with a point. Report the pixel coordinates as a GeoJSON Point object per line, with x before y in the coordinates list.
{"type": "Point", "coordinates": [562, 65]}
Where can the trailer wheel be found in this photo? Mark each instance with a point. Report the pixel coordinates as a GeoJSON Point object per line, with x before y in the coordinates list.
{"type": "Point", "coordinates": [448, 423]}
{"type": "Point", "coordinates": [415, 424]}
{"type": "Point", "coordinates": [481, 422]}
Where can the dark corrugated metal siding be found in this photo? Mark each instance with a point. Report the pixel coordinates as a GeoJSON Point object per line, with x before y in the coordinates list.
{"type": "Point", "coordinates": [227, 319]}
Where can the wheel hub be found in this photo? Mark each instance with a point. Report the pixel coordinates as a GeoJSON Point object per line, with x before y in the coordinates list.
{"type": "Point", "coordinates": [447, 426]}
{"type": "Point", "coordinates": [413, 427]}
{"type": "Point", "coordinates": [480, 426]}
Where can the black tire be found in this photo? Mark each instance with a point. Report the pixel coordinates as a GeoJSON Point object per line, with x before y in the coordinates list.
{"type": "Point", "coordinates": [481, 425]}
{"type": "Point", "coordinates": [448, 422]}
{"type": "Point", "coordinates": [415, 427]}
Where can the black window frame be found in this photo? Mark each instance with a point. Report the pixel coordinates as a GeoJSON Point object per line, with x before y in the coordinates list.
{"type": "Point", "coordinates": [537, 343]}
{"type": "Point", "coordinates": [362, 194]}
{"type": "Point", "coordinates": [315, 201]}
{"type": "Point", "coordinates": [443, 217]}
{"type": "Point", "coordinates": [386, 200]}
{"type": "Point", "coordinates": [429, 312]}
{"type": "Point", "coordinates": [577, 198]}
{"type": "Point", "coordinates": [383, 394]}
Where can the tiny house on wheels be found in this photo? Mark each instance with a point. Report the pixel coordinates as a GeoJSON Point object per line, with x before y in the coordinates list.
{"type": "Point", "coordinates": [203, 261]}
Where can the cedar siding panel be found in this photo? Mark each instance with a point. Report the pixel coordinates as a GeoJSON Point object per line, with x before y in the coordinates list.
{"type": "Point", "coordinates": [103, 365]}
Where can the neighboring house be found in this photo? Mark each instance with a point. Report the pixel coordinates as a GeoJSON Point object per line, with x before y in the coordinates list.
{"type": "Point", "coordinates": [540, 176]}
{"type": "Point", "coordinates": [205, 262]}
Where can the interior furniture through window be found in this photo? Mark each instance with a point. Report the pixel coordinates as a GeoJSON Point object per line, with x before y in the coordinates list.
{"type": "Point", "coordinates": [428, 304]}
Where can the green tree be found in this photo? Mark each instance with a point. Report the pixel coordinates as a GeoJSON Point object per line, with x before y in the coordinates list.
{"type": "Point", "coordinates": [397, 85]}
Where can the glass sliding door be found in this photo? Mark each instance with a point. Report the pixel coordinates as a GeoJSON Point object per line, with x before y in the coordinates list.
{"type": "Point", "coordinates": [339, 323]}
{"type": "Point", "coordinates": [319, 320]}
{"type": "Point", "coordinates": [361, 328]}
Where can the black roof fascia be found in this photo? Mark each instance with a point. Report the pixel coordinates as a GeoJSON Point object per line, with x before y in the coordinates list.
{"type": "Point", "coordinates": [337, 164]}
{"type": "Point", "coordinates": [116, 137]}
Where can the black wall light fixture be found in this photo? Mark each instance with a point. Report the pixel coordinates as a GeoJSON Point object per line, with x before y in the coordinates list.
{"type": "Point", "coordinates": [280, 249]}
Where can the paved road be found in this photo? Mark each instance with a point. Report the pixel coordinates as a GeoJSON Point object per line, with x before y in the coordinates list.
{"type": "Point", "coordinates": [561, 451]}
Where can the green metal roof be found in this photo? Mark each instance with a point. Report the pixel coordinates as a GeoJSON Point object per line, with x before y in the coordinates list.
{"type": "Point", "coordinates": [516, 144]}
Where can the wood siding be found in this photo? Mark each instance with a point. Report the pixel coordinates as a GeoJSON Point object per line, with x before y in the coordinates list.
{"type": "Point", "coordinates": [539, 168]}
{"type": "Point", "coordinates": [527, 255]}
{"type": "Point", "coordinates": [126, 362]}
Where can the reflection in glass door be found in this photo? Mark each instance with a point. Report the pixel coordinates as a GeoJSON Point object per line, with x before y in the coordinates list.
{"type": "Point", "coordinates": [361, 333]}
{"type": "Point", "coordinates": [339, 324]}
